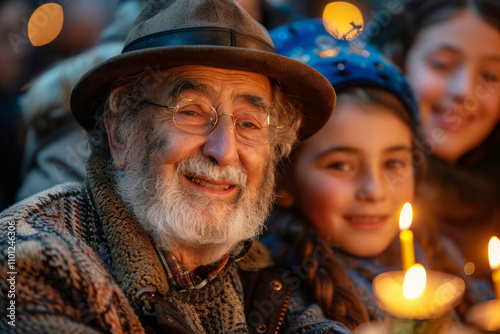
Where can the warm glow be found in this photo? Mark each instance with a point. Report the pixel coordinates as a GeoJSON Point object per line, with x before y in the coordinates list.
{"type": "Point", "coordinates": [485, 315]}
{"type": "Point", "coordinates": [343, 20]}
{"type": "Point", "coordinates": [469, 268]}
{"type": "Point", "coordinates": [434, 293]}
{"type": "Point", "coordinates": [414, 281]}
{"type": "Point", "coordinates": [405, 217]}
{"type": "Point", "coordinates": [45, 24]}
{"type": "Point", "coordinates": [494, 253]}
{"type": "Point", "coordinates": [330, 53]}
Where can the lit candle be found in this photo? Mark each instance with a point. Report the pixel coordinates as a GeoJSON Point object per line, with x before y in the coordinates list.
{"type": "Point", "coordinates": [414, 282]}
{"type": "Point", "coordinates": [417, 293]}
{"type": "Point", "coordinates": [494, 257]}
{"type": "Point", "coordinates": [486, 315]}
{"type": "Point", "coordinates": [406, 237]}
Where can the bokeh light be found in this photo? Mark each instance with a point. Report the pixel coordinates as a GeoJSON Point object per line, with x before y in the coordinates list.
{"type": "Point", "coordinates": [469, 268]}
{"type": "Point", "coordinates": [45, 24]}
{"type": "Point", "coordinates": [343, 20]}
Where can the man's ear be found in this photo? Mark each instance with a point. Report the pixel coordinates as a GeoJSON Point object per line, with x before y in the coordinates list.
{"type": "Point", "coordinates": [116, 146]}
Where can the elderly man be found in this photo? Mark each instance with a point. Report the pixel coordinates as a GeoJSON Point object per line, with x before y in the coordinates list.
{"type": "Point", "coordinates": [186, 126]}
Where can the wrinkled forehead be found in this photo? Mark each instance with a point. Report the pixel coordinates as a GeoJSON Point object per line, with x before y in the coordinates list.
{"type": "Point", "coordinates": [209, 81]}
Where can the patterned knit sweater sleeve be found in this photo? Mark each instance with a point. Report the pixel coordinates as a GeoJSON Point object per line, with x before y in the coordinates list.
{"type": "Point", "coordinates": [303, 317]}
{"type": "Point", "coordinates": [51, 281]}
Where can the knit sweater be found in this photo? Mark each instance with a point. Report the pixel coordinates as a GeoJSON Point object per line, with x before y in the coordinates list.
{"type": "Point", "coordinates": [74, 260]}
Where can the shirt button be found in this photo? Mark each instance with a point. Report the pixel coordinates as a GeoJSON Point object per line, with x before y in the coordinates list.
{"type": "Point", "coordinates": [276, 285]}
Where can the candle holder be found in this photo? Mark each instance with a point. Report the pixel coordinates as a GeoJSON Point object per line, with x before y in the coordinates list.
{"type": "Point", "coordinates": [389, 327]}
{"type": "Point", "coordinates": [427, 313]}
{"type": "Point", "coordinates": [486, 316]}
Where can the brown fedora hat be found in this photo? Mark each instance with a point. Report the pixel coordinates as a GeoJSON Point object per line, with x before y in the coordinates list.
{"type": "Point", "coordinates": [216, 33]}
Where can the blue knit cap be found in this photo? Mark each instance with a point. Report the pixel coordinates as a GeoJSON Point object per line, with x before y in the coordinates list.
{"type": "Point", "coordinates": [344, 63]}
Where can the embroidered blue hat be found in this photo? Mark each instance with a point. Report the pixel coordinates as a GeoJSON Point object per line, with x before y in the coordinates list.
{"type": "Point", "coordinates": [344, 63]}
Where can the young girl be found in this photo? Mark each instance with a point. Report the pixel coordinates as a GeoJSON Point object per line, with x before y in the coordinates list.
{"type": "Point", "coordinates": [341, 193]}
{"type": "Point", "coordinates": [450, 52]}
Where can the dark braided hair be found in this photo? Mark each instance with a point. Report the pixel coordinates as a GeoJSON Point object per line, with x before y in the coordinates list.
{"type": "Point", "coordinates": [328, 282]}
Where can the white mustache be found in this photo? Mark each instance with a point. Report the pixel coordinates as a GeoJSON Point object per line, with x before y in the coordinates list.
{"type": "Point", "coordinates": [199, 166]}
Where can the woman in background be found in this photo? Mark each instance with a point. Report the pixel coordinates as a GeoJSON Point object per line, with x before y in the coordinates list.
{"type": "Point", "coordinates": [450, 53]}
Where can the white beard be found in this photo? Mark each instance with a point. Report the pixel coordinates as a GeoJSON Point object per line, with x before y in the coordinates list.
{"type": "Point", "coordinates": [179, 217]}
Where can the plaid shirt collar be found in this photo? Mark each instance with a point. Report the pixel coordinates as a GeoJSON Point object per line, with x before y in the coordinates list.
{"type": "Point", "coordinates": [182, 279]}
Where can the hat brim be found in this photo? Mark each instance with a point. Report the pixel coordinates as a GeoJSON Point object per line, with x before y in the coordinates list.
{"type": "Point", "coordinates": [311, 90]}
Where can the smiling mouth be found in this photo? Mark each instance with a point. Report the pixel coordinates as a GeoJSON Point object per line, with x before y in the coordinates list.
{"type": "Point", "coordinates": [366, 223]}
{"type": "Point", "coordinates": [365, 220]}
{"type": "Point", "coordinates": [451, 118]}
{"type": "Point", "coordinates": [206, 184]}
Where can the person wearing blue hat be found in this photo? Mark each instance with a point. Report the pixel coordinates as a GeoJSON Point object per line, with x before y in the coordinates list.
{"type": "Point", "coordinates": [341, 193]}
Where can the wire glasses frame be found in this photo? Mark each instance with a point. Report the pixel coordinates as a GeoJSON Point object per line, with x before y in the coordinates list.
{"type": "Point", "coordinates": [254, 128]}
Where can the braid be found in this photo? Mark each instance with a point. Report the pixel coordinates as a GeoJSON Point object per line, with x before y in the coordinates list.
{"type": "Point", "coordinates": [328, 281]}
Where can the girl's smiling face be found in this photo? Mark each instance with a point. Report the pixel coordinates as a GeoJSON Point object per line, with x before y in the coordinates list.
{"type": "Point", "coordinates": [454, 69]}
{"type": "Point", "coordinates": [351, 179]}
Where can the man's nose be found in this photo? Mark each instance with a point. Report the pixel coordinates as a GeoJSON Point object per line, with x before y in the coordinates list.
{"type": "Point", "coordinates": [221, 144]}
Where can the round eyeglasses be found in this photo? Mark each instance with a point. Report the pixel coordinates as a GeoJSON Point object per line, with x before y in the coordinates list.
{"type": "Point", "coordinates": [196, 117]}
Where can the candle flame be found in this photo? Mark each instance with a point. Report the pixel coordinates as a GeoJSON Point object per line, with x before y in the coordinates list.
{"type": "Point", "coordinates": [494, 253]}
{"type": "Point", "coordinates": [405, 217]}
{"type": "Point", "coordinates": [414, 281]}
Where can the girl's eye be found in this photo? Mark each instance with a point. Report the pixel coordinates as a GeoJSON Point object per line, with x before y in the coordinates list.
{"type": "Point", "coordinates": [439, 64]}
{"type": "Point", "coordinates": [490, 77]}
{"type": "Point", "coordinates": [396, 164]}
{"type": "Point", "coordinates": [340, 165]}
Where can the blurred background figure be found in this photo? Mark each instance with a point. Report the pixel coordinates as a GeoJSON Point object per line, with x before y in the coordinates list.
{"type": "Point", "coordinates": [450, 52]}
{"type": "Point", "coordinates": [21, 63]}
{"type": "Point", "coordinates": [269, 14]}
{"type": "Point", "coordinates": [84, 22]}
{"type": "Point", "coordinates": [56, 147]}
{"type": "Point", "coordinates": [16, 67]}
{"type": "Point", "coordinates": [13, 55]}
